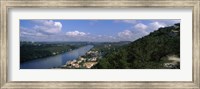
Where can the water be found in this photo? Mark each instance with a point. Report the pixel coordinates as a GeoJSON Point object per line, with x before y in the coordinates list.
{"type": "Point", "coordinates": [55, 61]}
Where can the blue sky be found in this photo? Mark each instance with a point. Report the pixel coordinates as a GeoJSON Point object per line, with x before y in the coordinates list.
{"type": "Point", "coordinates": [89, 30]}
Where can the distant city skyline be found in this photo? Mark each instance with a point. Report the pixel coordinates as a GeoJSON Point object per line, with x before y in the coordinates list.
{"type": "Point", "coordinates": [89, 30]}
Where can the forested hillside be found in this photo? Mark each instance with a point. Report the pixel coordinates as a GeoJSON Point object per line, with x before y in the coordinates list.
{"type": "Point", "coordinates": [149, 52]}
{"type": "Point", "coordinates": [30, 51]}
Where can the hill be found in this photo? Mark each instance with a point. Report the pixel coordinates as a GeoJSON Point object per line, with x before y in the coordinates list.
{"type": "Point", "coordinates": [154, 51]}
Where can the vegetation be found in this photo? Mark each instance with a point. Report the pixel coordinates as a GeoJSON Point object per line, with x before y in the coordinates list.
{"type": "Point", "coordinates": [149, 52]}
{"type": "Point", "coordinates": [106, 48]}
{"type": "Point", "coordinates": [30, 50]}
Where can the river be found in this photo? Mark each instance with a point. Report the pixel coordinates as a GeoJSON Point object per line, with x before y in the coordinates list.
{"type": "Point", "coordinates": [55, 61]}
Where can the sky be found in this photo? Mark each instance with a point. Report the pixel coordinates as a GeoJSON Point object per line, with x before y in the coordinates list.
{"type": "Point", "coordinates": [89, 30]}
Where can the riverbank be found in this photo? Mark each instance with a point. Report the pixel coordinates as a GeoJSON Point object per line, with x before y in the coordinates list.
{"type": "Point", "coordinates": [57, 60]}
{"type": "Point", "coordinates": [86, 61]}
{"type": "Point", "coordinates": [34, 50]}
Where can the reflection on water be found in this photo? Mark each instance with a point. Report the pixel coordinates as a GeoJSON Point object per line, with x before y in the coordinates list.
{"type": "Point", "coordinates": [55, 61]}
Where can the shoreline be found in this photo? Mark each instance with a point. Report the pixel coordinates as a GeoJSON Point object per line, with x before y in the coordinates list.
{"type": "Point", "coordinates": [86, 61]}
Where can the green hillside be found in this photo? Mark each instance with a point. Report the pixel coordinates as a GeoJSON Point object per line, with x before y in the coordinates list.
{"type": "Point", "coordinates": [158, 50]}
{"type": "Point", "coordinates": [31, 51]}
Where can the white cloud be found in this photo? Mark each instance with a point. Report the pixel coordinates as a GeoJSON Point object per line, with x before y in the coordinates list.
{"type": "Point", "coordinates": [47, 26]}
{"type": "Point", "coordinates": [145, 29]}
{"type": "Point", "coordinates": [40, 35]}
{"type": "Point", "coordinates": [167, 22]}
{"type": "Point", "coordinates": [26, 32]}
{"type": "Point", "coordinates": [49, 30]}
{"type": "Point", "coordinates": [75, 33]}
{"type": "Point", "coordinates": [156, 25]}
{"type": "Point", "coordinates": [58, 24]}
{"type": "Point", "coordinates": [140, 29]}
{"type": "Point", "coordinates": [131, 35]}
{"type": "Point", "coordinates": [140, 26]}
{"type": "Point", "coordinates": [125, 33]}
